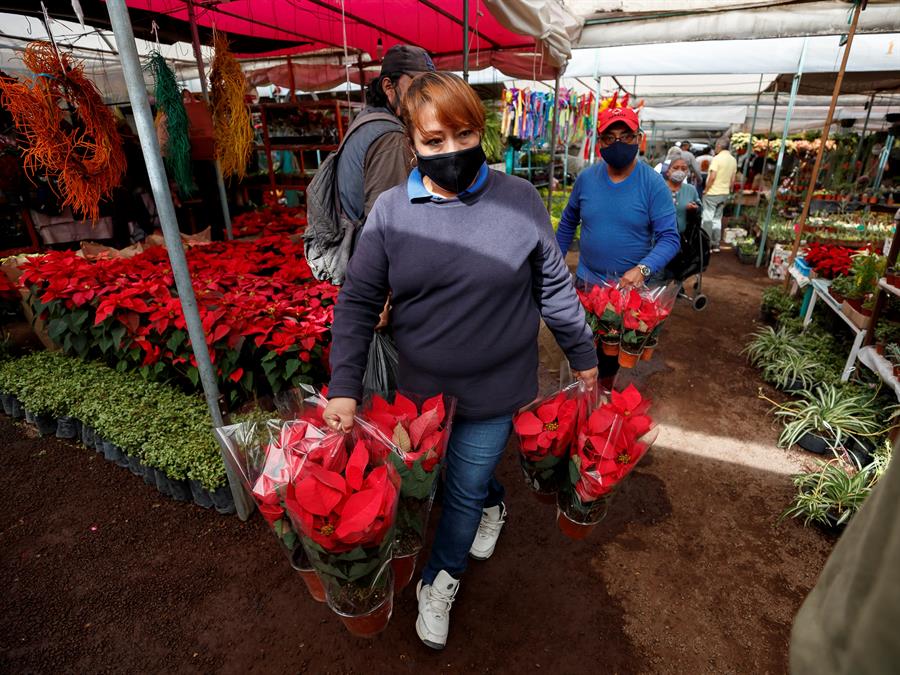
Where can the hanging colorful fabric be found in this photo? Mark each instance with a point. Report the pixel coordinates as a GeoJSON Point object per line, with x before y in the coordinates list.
{"type": "Point", "coordinates": [231, 116]}
{"type": "Point", "coordinates": [172, 128]}
{"type": "Point", "coordinates": [85, 157]}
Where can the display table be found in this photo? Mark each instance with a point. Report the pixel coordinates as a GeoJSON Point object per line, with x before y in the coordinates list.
{"type": "Point", "coordinates": [820, 290]}
{"type": "Point", "coordinates": [881, 367]}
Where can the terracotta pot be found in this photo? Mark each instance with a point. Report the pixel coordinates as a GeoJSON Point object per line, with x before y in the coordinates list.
{"type": "Point", "coordinates": [647, 354]}
{"type": "Point", "coordinates": [879, 349]}
{"type": "Point", "coordinates": [610, 348]}
{"type": "Point", "coordinates": [897, 372]}
{"type": "Point", "coordinates": [628, 359]}
{"type": "Point", "coordinates": [571, 528]}
{"type": "Point", "coordinates": [404, 567]}
{"type": "Point", "coordinates": [545, 497]}
{"type": "Point", "coordinates": [370, 623]}
{"type": "Point", "coordinates": [313, 584]}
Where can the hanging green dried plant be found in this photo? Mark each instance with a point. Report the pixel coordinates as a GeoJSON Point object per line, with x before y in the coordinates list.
{"type": "Point", "coordinates": [172, 124]}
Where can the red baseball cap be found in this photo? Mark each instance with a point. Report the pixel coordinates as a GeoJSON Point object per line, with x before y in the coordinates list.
{"type": "Point", "coordinates": [612, 115]}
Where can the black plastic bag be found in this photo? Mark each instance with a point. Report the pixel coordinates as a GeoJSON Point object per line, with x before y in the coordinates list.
{"type": "Point", "coordinates": [381, 369]}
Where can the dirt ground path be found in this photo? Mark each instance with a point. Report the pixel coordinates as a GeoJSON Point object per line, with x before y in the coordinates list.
{"type": "Point", "coordinates": [689, 573]}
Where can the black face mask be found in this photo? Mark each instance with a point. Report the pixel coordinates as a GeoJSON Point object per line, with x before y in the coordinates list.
{"type": "Point", "coordinates": [453, 171]}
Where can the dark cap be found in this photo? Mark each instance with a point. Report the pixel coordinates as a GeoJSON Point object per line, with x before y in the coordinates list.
{"type": "Point", "coordinates": [406, 59]}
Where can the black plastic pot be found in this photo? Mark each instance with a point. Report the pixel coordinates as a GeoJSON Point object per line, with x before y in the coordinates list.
{"type": "Point", "coordinates": [112, 452]}
{"type": "Point", "coordinates": [6, 402]}
{"type": "Point", "coordinates": [149, 474]}
{"type": "Point", "coordinates": [860, 450]}
{"type": "Point", "coordinates": [792, 386]}
{"type": "Point", "coordinates": [66, 427]}
{"type": "Point", "coordinates": [162, 483]}
{"type": "Point", "coordinates": [87, 435]}
{"type": "Point", "coordinates": [814, 443]}
{"type": "Point", "coordinates": [17, 411]}
{"type": "Point", "coordinates": [134, 465]}
{"type": "Point", "coordinates": [201, 497]}
{"type": "Point", "coordinates": [222, 500]}
{"type": "Point", "coordinates": [179, 490]}
{"type": "Point", "coordinates": [29, 416]}
{"type": "Point", "coordinates": [46, 424]}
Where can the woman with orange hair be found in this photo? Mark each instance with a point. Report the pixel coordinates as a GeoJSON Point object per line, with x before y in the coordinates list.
{"type": "Point", "coordinates": [472, 264]}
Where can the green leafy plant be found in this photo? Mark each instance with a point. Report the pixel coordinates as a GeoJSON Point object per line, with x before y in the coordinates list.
{"type": "Point", "coordinates": [887, 332]}
{"type": "Point", "coordinates": [768, 344]}
{"type": "Point", "coordinates": [892, 353]}
{"type": "Point", "coordinates": [793, 371]}
{"type": "Point", "coordinates": [167, 429]}
{"type": "Point", "coordinates": [844, 285]}
{"type": "Point", "coordinates": [777, 303]}
{"type": "Point", "coordinates": [832, 413]}
{"type": "Point", "coordinates": [831, 494]}
{"type": "Point", "coordinates": [491, 140]}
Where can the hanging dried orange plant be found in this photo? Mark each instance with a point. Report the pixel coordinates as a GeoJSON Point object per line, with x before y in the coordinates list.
{"type": "Point", "coordinates": [231, 116]}
{"type": "Point", "coordinates": [85, 156]}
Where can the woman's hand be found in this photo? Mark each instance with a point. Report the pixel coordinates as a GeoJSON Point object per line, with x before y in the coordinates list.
{"type": "Point", "coordinates": [589, 377]}
{"type": "Point", "coordinates": [633, 278]}
{"type": "Point", "coordinates": [339, 414]}
{"type": "Point", "coordinates": [693, 206]}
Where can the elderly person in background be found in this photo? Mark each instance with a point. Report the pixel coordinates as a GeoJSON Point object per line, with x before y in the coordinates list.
{"type": "Point", "coordinates": [673, 154]}
{"type": "Point", "coordinates": [684, 195]}
{"type": "Point", "coordinates": [693, 164]}
{"type": "Point", "coordinates": [722, 171]}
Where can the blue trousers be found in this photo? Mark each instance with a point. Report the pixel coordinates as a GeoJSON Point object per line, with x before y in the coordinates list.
{"type": "Point", "coordinates": [475, 449]}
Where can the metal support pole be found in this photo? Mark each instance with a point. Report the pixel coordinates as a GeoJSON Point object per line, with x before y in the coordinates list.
{"type": "Point", "coordinates": [882, 160]}
{"type": "Point", "coordinates": [362, 85]}
{"type": "Point", "coordinates": [465, 28]}
{"type": "Point", "coordinates": [156, 171]}
{"type": "Point", "coordinates": [824, 138]}
{"type": "Point", "coordinates": [737, 211]}
{"type": "Point", "coordinates": [784, 134]}
{"type": "Point", "coordinates": [595, 115]}
{"type": "Point", "coordinates": [553, 134]}
{"type": "Point", "coordinates": [862, 137]}
{"type": "Point", "coordinates": [771, 127]}
{"type": "Point", "coordinates": [195, 39]}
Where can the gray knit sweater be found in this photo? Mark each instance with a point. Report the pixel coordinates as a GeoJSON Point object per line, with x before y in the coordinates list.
{"type": "Point", "coordinates": [470, 280]}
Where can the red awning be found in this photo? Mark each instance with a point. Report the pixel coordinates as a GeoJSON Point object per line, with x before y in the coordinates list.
{"type": "Point", "coordinates": [435, 25]}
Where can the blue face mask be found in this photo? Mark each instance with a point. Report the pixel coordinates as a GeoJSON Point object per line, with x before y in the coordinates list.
{"type": "Point", "coordinates": [619, 155]}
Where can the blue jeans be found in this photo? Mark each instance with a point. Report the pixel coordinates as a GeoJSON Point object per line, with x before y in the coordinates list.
{"type": "Point", "coordinates": [475, 449]}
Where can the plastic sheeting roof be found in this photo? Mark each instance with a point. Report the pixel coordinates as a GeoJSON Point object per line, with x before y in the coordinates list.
{"type": "Point", "coordinates": [636, 22]}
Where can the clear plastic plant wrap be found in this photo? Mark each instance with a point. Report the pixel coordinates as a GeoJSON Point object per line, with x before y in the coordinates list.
{"type": "Point", "coordinates": [419, 429]}
{"type": "Point", "coordinates": [611, 440]}
{"type": "Point", "coordinates": [645, 311]}
{"type": "Point", "coordinates": [603, 305]}
{"type": "Point", "coordinates": [343, 498]}
{"type": "Point", "coordinates": [546, 430]}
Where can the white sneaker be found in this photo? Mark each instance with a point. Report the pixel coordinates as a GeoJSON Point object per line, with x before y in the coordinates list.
{"type": "Point", "coordinates": [435, 601]}
{"type": "Point", "coordinates": [492, 520]}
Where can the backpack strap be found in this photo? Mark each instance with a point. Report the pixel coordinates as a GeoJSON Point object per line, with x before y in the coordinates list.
{"type": "Point", "coordinates": [356, 124]}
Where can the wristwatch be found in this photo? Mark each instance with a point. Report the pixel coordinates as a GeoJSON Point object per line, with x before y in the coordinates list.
{"type": "Point", "coordinates": [644, 270]}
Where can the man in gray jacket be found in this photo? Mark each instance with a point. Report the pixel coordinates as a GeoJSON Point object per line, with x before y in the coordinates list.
{"type": "Point", "coordinates": [377, 156]}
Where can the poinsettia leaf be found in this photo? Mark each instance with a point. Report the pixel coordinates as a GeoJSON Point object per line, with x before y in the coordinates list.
{"type": "Point", "coordinates": [528, 424]}
{"type": "Point", "coordinates": [401, 438]}
{"type": "Point", "coordinates": [422, 426]}
{"type": "Point", "coordinates": [405, 406]}
{"type": "Point", "coordinates": [356, 465]}
{"type": "Point", "coordinates": [359, 512]}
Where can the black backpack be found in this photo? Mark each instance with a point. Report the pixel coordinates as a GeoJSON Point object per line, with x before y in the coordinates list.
{"type": "Point", "coordinates": [330, 233]}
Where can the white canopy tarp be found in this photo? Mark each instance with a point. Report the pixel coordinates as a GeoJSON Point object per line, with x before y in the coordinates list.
{"type": "Point", "coordinates": [626, 22]}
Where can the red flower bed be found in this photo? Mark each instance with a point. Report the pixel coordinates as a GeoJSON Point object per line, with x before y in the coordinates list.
{"type": "Point", "coordinates": [266, 319]}
{"type": "Point", "coordinates": [829, 261]}
{"type": "Point", "coordinates": [270, 220]}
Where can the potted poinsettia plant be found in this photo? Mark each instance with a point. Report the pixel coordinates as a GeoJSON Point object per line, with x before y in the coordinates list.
{"type": "Point", "coordinates": [546, 430]}
{"type": "Point", "coordinates": [265, 469]}
{"type": "Point", "coordinates": [419, 429]}
{"type": "Point", "coordinates": [343, 499]}
{"type": "Point", "coordinates": [603, 306]}
{"type": "Point", "coordinates": [611, 441]}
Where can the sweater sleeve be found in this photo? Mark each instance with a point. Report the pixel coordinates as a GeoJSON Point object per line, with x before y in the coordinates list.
{"type": "Point", "coordinates": [570, 220]}
{"type": "Point", "coordinates": [559, 304]}
{"type": "Point", "coordinates": [667, 243]}
{"type": "Point", "coordinates": [358, 307]}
